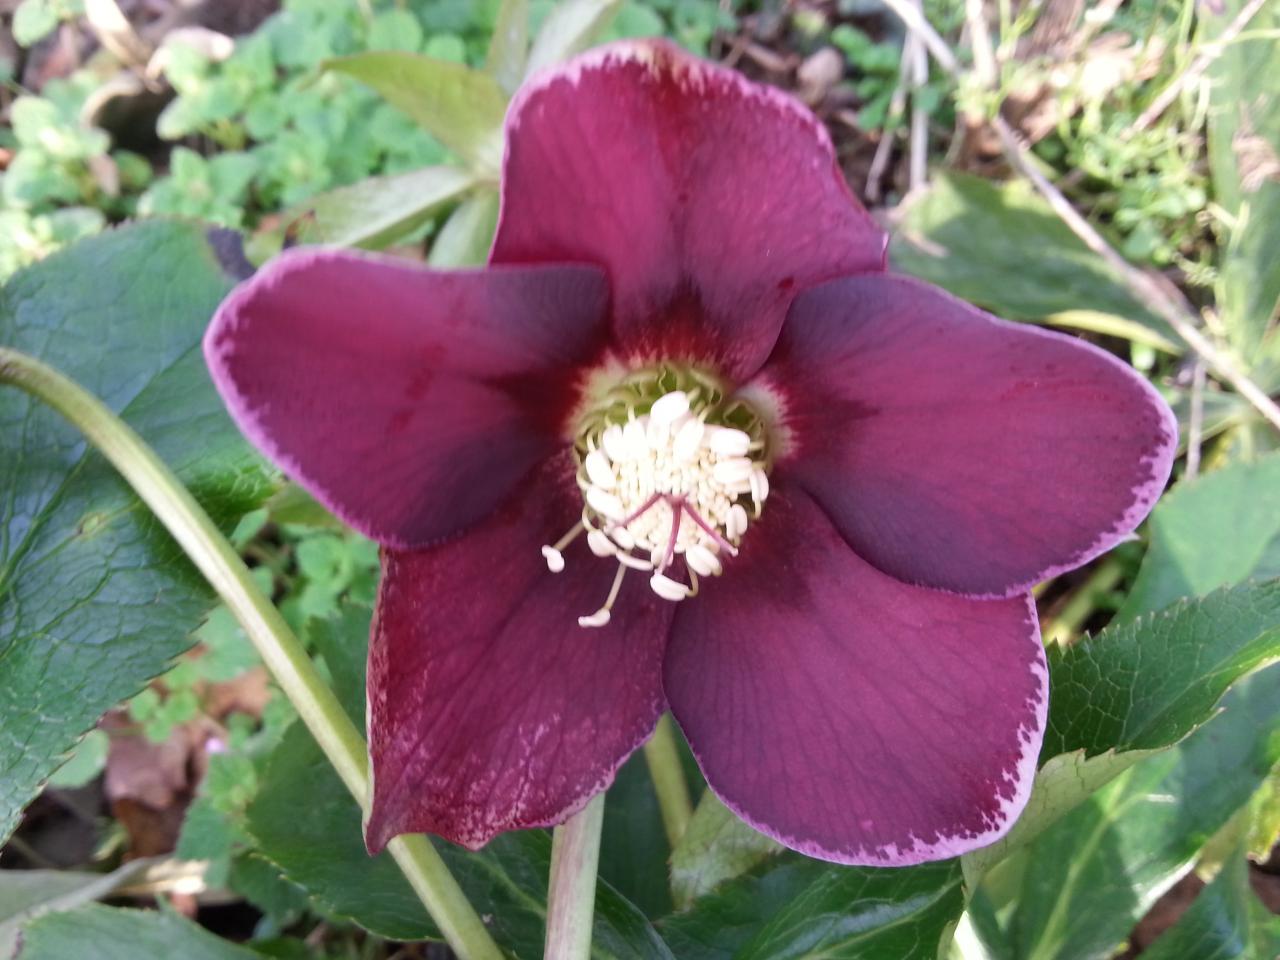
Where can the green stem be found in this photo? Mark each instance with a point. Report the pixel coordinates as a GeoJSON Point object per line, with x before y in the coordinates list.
{"type": "Point", "coordinates": [571, 899]}
{"type": "Point", "coordinates": [280, 650]}
{"type": "Point", "coordinates": [662, 756]}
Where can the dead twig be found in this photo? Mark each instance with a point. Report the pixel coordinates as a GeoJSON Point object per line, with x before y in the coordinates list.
{"type": "Point", "coordinates": [919, 152]}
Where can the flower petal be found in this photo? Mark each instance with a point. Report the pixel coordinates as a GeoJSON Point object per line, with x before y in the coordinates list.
{"type": "Point", "coordinates": [708, 199]}
{"type": "Point", "coordinates": [959, 451]}
{"type": "Point", "coordinates": [490, 709]}
{"type": "Point", "coordinates": [408, 401]}
{"type": "Point", "coordinates": [854, 717]}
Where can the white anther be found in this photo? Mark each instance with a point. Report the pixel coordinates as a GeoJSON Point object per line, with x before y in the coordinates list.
{"type": "Point", "coordinates": [667, 588]}
{"type": "Point", "coordinates": [688, 439]}
{"type": "Point", "coordinates": [597, 619]}
{"type": "Point", "coordinates": [657, 435]}
{"type": "Point", "coordinates": [734, 471]}
{"type": "Point", "coordinates": [637, 447]}
{"type": "Point", "coordinates": [759, 488]}
{"type": "Point", "coordinates": [600, 544]}
{"type": "Point", "coordinates": [605, 503]}
{"type": "Point", "coordinates": [555, 559]}
{"type": "Point", "coordinates": [598, 470]}
{"type": "Point", "coordinates": [669, 407]}
{"type": "Point", "coordinates": [736, 522]}
{"type": "Point", "coordinates": [623, 538]}
{"type": "Point", "coordinates": [614, 446]}
{"type": "Point", "coordinates": [729, 442]}
{"type": "Point", "coordinates": [634, 562]}
{"type": "Point", "coordinates": [703, 561]}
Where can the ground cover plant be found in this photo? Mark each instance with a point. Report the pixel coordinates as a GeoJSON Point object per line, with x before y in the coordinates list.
{"type": "Point", "coordinates": [402, 371]}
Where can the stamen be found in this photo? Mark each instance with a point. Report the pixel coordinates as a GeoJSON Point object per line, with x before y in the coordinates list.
{"type": "Point", "coordinates": [600, 544]}
{"type": "Point", "coordinates": [606, 503]}
{"type": "Point", "coordinates": [598, 470]}
{"type": "Point", "coordinates": [701, 560]}
{"type": "Point", "coordinates": [601, 616]}
{"type": "Point", "coordinates": [668, 589]}
{"type": "Point", "coordinates": [669, 408]}
{"type": "Point", "coordinates": [728, 442]}
{"type": "Point", "coordinates": [641, 473]}
{"type": "Point", "coordinates": [555, 559]}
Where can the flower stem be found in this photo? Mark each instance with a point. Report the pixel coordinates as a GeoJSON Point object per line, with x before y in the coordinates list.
{"type": "Point", "coordinates": [662, 756]}
{"type": "Point", "coordinates": [280, 650]}
{"type": "Point", "coordinates": [571, 899]}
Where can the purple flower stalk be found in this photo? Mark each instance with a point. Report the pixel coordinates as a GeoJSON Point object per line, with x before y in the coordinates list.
{"type": "Point", "coordinates": [685, 444]}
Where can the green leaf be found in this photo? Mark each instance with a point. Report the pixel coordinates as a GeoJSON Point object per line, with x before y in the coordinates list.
{"type": "Point", "coordinates": [716, 847]}
{"type": "Point", "coordinates": [571, 27]}
{"type": "Point", "coordinates": [1135, 689]}
{"type": "Point", "coordinates": [95, 597]}
{"type": "Point", "coordinates": [1226, 921]}
{"type": "Point", "coordinates": [1146, 684]}
{"type": "Point", "coordinates": [27, 894]}
{"type": "Point", "coordinates": [108, 933]}
{"type": "Point", "coordinates": [1221, 528]}
{"type": "Point", "coordinates": [88, 760]}
{"type": "Point", "coordinates": [1001, 246]}
{"type": "Point", "coordinates": [323, 852]}
{"type": "Point", "coordinates": [799, 908]}
{"type": "Point", "coordinates": [466, 236]}
{"type": "Point", "coordinates": [1244, 159]}
{"type": "Point", "coordinates": [509, 46]}
{"type": "Point", "coordinates": [633, 843]}
{"type": "Point", "coordinates": [378, 211]}
{"type": "Point", "coordinates": [1097, 871]}
{"type": "Point", "coordinates": [33, 20]}
{"type": "Point", "coordinates": [463, 108]}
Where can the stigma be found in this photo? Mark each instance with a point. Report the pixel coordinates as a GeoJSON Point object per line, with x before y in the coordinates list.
{"type": "Point", "coordinates": [670, 480]}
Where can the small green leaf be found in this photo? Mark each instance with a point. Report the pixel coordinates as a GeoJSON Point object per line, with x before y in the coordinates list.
{"type": "Point", "coordinates": [395, 29]}
{"type": "Point", "coordinates": [33, 20]}
{"type": "Point", "coordinates": [466, 236]}
{"type": "Point", "coordinates": [571, 27]}
{"type": "Point", "coordinates": [509, 46]}
{"type": "Point", "coordinates": [85, 763]}
{"type": "Point", "coordinates": [377, 212]}
{"type": "Point", "coordinates": [108, 933]}
{"type": "Point", "coordinates": [95, 597]}
{"type": "Point", "coordinates": [1147, 684]}
{"type": "Point", "coordinates": [463, 108]}
{"type": "Point", "coordinates": [716, 847]}
{"type": "Point", "coordinates": [971, 236]}
{"type": "Point", "coordinates": [1221, 528]}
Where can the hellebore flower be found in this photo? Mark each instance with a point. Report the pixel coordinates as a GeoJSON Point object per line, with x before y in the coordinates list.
{"type": "Point", "coordinates": [684, 443]}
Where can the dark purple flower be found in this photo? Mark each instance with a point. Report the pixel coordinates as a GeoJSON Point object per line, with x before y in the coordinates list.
{"type": "Point", "coordinates": [685, 370]}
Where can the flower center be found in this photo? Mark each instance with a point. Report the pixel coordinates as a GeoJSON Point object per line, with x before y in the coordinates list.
{"type": "Point", "coordinates": [669, 468]}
